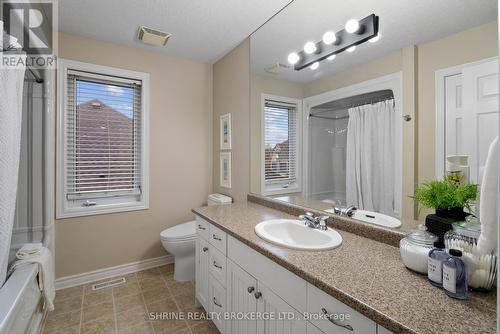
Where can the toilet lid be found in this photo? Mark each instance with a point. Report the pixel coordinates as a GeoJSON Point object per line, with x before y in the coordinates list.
{"type": "Point", "coordinates": [180, 232]}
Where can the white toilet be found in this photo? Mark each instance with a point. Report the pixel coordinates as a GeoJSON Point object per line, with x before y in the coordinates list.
{"type": "Point", "coordinates": [180, 241]}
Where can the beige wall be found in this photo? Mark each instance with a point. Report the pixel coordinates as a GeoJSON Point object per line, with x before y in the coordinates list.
{"type": "Point", "coordinates": [264, 85]}
{"type": "Point", "coordinates": [231, 94]}
{"type": "Point", "coordinates": [467, 46]}
{"type": "Point", "coordinates": [180, 160]}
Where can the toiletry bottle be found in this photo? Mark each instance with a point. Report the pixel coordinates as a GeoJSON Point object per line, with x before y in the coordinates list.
{"type": "Point", "coordinates": [455, 275]}
{"type": "Point", "coordinates": [435, 260]}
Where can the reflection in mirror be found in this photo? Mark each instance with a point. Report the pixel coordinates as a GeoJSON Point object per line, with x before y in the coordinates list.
{"type": "Point", "coordinates": [348, 112]}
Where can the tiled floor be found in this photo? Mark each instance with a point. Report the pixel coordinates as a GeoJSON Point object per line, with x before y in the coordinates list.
{"type": "Point", "coordinates": [124, 309]}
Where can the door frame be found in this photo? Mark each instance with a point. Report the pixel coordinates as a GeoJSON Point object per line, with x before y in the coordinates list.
{"type": "Point", "coordinates": [394, 82]}
{"type": "Point", "coordinates": [440, 130]}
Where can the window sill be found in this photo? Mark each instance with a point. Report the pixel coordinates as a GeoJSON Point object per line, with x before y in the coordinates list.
{"type": "Point", "coordinates": [279, 190]}
{"type": "Point", "coordinates": [75, 212]}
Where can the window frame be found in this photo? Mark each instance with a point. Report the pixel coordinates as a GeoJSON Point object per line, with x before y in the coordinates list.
{"type": "Point", "coordinates": [111, 204]}
{"type": "Point", "coordinates": [278, 189]}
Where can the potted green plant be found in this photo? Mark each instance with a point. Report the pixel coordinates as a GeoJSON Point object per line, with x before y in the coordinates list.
{"type": "Point", "coordinates": [446, 197]}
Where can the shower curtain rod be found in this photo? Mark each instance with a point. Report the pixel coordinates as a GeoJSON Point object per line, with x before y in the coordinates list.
{"type": "Point", "coordinates": [350, 106]}
{"type": "Point", "coordinates": [36, 74]}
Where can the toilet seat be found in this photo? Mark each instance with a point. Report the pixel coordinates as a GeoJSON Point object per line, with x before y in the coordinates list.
{"type": "Point", "coordinates": [181, 232]}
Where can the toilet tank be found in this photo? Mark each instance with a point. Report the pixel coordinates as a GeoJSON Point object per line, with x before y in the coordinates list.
{"type": "Point", "coordinates": [219, 199]}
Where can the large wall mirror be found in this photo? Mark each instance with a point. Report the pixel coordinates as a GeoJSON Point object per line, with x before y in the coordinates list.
{"type": "Point", "coordinates": [373, 106]}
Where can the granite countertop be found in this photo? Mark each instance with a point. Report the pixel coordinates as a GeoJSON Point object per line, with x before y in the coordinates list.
{"type": "Point", "coordinates": [364, 274]}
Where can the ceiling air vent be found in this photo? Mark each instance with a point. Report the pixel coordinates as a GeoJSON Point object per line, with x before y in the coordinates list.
{"type": "Point", "coordinates": [276, 68]}
{"type": "Point", "coordinates": [152, 36]}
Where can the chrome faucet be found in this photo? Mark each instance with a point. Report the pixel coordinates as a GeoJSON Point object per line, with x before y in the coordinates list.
{"type": "Point", "coordinates": [347, 212]}
{"type": "Point", "coordinates": [318, 222]}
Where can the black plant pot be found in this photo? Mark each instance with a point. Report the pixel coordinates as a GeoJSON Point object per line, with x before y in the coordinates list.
{"type": "Point", "coordinates": [456, 214]}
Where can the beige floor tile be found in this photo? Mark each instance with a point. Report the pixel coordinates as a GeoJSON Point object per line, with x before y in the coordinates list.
{"type": "Point", "coordinates": [69, 292]}
{"type": "Point", "coordinates": [67, 304]}
{"type": "Point", "coordinates": [144, 328]}
{"type": "Point", "coordinates": [130, 288]}
{"type": "Point", "coordinates": [132, 317]}
{"type": "Point", "coordinates": [147, 274]}
{"type": "Point", "coordinates": [170, 326]}
{"type": "Point", "coordinates": [62, 321]}
{"type": "Point", "coordinates": [152, 283]}
{"type": "Point", "coordinates": [206, 327]}
{"type": "Point", "coordinates": [185, 299]}
{"type": "Point", "coordinates": [128, 302]}
{"type": "Point", "coordinates": [96, 297]}
{"type": "Point", "coordinates": [162, 306]}
{"type": "Point", "coordinates": [105, 325]}
{"type": "Point", "coordinates": [166, 269]}
{"type": "Point", "coordinates": [98, 311]}
{"type": "Point", "coordinates": [156, 294]}
{"type": "Point", "coordinates": [195, 316]}
{"type": "Point", "coordinates": [69, 330]}
{"type": "Point", "coordinates": [177, 288]}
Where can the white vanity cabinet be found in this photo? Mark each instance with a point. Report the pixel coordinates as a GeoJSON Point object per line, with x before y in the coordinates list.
{"type": "Point", "coordinates": [235, 280]}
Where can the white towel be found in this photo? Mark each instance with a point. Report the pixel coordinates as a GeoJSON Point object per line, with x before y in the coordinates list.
{"type": "Point", "coordinates": [488, 201]}
{"type": "Point", "coordinates": [29, 250]}
{"type": "Point", "coordinates": [10, 42]}
{"type": "Point", "coordinates": [11, 98]}
{"type": "Point", "coordinates": [46, 275]}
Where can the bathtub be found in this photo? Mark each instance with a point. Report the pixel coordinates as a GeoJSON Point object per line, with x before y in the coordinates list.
{"type": "Point", "coordinates": [20, 302]}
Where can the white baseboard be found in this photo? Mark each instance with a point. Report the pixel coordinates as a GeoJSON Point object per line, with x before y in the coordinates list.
{"type": "Point", "coordinates": [123, 269]}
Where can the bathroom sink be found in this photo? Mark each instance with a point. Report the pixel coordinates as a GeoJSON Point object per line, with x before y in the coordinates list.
{"type": "Point", "coordinates": [295, 234]}
{"type": "Point", "coordinates": [374, 218]}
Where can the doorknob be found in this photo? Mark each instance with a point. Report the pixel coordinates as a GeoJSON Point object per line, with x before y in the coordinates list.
{"type": "Point", "coordinates": [258, 294]}
{"type": "Point", "coordinates": [250, 289]}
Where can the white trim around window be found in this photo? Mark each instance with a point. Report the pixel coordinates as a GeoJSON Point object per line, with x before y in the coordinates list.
{"type": "Point", "coordinates": [67, 206]}
{"type": "Point", "coordinates": [285, 187]}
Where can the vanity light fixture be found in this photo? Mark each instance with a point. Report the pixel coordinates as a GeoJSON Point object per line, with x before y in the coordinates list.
{"type": "Point", "coordinates": [314, 66]}
{"type": "Point", "coordinates": [332, 43]}
{"type": "Point", "coordinates": [310, 47]}
{"type": "Point", "coordinates": [375, 39]}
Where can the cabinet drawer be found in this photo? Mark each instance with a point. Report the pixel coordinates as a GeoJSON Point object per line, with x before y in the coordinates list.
{"type": "Point", "coordinates": [217, 265]}
{"type": "Point", "coordinates": [201, 227]}
{"type": "Point", "coordinates": [217, 238]}
{"type": "Point", "coordinates": [343, 318]}
{"type": "Point", "coordinates": [382, 330]}
{"type": "Point", "coordinates": [217, 303]}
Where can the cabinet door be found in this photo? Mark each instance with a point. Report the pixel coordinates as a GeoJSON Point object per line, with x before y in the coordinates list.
{"type": "Point", "coordinates": [202, 258]}
{"type": "Point", "coordinates": [311, 329]}
{"type": "Point", "coordinates": [241, 288]}
{"type": "Point", "coordinates": [217, 303]}
{"type": "Point", "coordinates": [279, 317]}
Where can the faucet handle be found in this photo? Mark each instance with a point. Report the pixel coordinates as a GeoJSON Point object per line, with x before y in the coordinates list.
{"type": "Point", "coordinates": [322, 222]}
{"type": "Point", "coordinates": [309, 214]}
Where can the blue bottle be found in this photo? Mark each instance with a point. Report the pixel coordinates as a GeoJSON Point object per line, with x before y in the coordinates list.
{"type": "Point", "coordinates": [455, 282]}
{"type": "Point", "coordinates": [437, 256]}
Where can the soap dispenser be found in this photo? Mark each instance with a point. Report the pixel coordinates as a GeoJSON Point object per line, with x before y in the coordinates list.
{"type": "Point", "coordinates": [455, 281]}
{"type": "Point", "coordinates": [435, 260]}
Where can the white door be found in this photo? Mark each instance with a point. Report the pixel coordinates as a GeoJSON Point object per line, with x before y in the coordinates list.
{"type": "Point", "coordinates": [454, 117]}
{"type": "Point", "coordinates": [311, 329]}
{"type": "Point", "coordinates": [202, 258]}
{"type": "Point", "coordinates": [241, 289]}
{"type": "Point", "coordinates": [285, 319]}
{"type": "Point", "coordinates": [480, 114]}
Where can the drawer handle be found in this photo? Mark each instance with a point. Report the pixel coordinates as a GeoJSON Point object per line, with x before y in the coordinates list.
{"type": "Point", "coordinates": [258, 294]}
{"type": "Point", "coordinates": [250, 289]}
{"type": "Point", "coordinates": [216, 303]}
{"type": "Point", "coordinates": [205, 249]}
{"type": "Point", "coordinates": [202, 228]}
{"type": "Point", "coordinates": [216, 265]}
{"type": "Point", "coordinates": [336, 323]}
{"type": "Point", "coordinates": [216, 237]}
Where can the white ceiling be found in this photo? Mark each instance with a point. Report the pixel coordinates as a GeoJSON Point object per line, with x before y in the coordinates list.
{"type": "Point", "coordinates": [402, 23]}
{"type": "Point", "coordinates": [202, 30]}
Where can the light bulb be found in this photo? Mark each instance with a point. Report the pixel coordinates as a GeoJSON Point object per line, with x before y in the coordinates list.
{"type": "Point", "coordinates": [309, 47]}
{"type": "Point", "coordinates": [374, 39]}
{"type": "Point", "coordinates": [293, 58]}
{"type": "Point", "coordinates": [314, 66]}
{"type": "Point", "coordinates": [352, 26]}
{"type": "Point", "coordinates": [351, 49]}
{"type": "Point", "coordinates": [329, 37]}
{"type": "Point", "coordinates": [332, 57]}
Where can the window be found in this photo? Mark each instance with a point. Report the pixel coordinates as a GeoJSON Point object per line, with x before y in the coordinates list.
{"type": "Point", "coordinates": [281, 119]}
{"type": "Point", "coordinates": [102, 152]}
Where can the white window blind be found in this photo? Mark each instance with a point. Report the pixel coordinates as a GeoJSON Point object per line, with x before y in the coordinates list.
{"type": "Point", "coordinates": [280, 144]}
{"type": "Point", "coordinates": [103, 137]}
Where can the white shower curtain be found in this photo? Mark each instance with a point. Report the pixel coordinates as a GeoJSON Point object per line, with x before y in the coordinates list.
{"type": "Point", "coordinates": [370, 167]}
{"type": "Point", "coordinates": [11, 97]}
